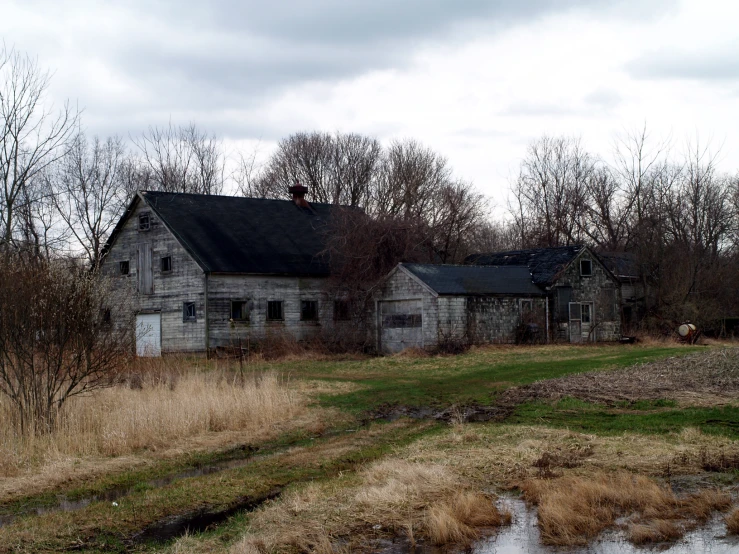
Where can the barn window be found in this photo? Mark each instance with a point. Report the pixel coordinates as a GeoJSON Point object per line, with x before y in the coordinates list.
{"type": "Point", "coordinates": [526, 307]}
{"type": "Point", "coordinates": [144, 221]}
{"type": "Point", "coordinates": [188, 311]}
{"type": "Point", "coordinates": [123, 267]}
{"type": "Point", "coordinates": [586, 268]}
{"type": "Point", "coordinates": [308, 310]}
{"type": "Point", "coordinates": [274, 310]}
{"type": "Point", "coordinates": [239, 310]}
{"type": "Point", "coordinates": [166, 264]}
{"type": "Point", "coordinates": [585, 313]}
{"type": "Point", "coordinates": [341, 310]}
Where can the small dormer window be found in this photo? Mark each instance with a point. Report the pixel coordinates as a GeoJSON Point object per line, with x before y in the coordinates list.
{"type": "Point", "coordinates": [586, 268]}
{"type": "Point", "coordinates": [144, 221]}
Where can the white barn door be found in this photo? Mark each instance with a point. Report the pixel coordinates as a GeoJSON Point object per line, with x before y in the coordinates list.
{"type": "Point", "coordinates": [149, 335]}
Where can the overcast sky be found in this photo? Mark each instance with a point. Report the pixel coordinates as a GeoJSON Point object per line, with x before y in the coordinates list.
{"type": "Point", "coordinates": [475, 80]}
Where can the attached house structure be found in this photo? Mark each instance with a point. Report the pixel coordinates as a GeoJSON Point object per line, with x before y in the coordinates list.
{"type": "Point", "coordinates": [563, 294]}
{"type": "Point", "coordinates": [584, 297]}
{"type": "Point", "coordinates": [200, 272]}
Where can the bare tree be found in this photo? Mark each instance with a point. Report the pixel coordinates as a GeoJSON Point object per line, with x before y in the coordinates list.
{"type": "Point", "coordinates": [55, 341]}
{"type": "Point", "coordinates": [337, 169]}
{"type": "Point", "coordinates": [182, 159]}
{"type": "Point", "coordinates": [90, 192]}
{"type": "Point", "coordinates": [550, 192]}
{"type": "Point", "coordinates": [32, 135]}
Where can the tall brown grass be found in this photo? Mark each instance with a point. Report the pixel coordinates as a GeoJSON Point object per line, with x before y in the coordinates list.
{"type": "Point", "coordinates": [392, 496]}
{"type": "Point", "coordinates": [574, 510]}
{"type": "Point", "coordinates": [151, 410]}
{"type": "Point", "coordinates": [732, 522]}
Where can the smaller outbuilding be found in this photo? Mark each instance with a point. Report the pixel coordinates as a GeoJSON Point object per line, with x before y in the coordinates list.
{"type": "Point", "coordinates": [436, 306]}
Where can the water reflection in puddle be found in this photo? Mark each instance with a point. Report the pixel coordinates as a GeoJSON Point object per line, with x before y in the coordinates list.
{"type": "Point", "coordinates": [522, 537]}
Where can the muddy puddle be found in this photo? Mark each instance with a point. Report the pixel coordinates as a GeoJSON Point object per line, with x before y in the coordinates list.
{"type": "Point", "coordinates": [522, 537]}
{"type": "Point", "coordinates": [113, 495]}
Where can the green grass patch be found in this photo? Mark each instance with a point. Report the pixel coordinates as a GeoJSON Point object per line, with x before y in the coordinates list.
{"type": "Point", "coordinates": [646, 417]}
{"type": "Point", "coordinates": [474, 377]}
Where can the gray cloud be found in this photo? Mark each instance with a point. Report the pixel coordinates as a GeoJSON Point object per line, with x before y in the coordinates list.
{"type": "Point", "coordinates": [203, 58]}
{"type": "Point", "coordinates": [713, 65]}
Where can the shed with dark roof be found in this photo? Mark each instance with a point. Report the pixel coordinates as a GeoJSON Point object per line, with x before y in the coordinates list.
{"type": "Point", "coordinates": [438, 306]}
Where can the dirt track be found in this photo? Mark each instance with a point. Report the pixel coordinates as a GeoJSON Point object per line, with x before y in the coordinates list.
{"type": "Point", "coordinates": [711, 375]}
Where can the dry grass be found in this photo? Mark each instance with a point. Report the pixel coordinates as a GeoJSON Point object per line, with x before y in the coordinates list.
{"type": "Point", "coordinates": [574, 509]}
{"type": "Point", "coordinates": [693, 379]}
{"type": "Point", "coordinates": [419, 500]}
{"type": "Point", "coordinates": [732, 522]}
{"type": "Point", "coordinates": [458, 520]}
{"type": "Point", "coordinates": [151, 411]}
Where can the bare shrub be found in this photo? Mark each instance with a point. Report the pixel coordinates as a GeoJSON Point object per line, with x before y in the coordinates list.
{"type": "Point", "coordinates": [55, 338]}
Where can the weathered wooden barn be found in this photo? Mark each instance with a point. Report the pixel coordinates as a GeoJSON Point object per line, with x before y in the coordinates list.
{"type": "Point", "coordinates": [202, 272]}
{"type": "Point", "coordinates": [431, 306]}
{"type": "Point", "coordinates": [584, 297]}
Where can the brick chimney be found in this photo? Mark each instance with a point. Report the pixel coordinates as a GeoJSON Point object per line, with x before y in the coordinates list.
{"type": "Point", "coordinates": [298, 191]}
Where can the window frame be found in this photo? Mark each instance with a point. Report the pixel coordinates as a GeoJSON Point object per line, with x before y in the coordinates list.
{"type": "Point", "coordinates": [309, 310]}
{"type": "Point", "coordinates": [244, 312]}
{"type": "Point", "coordinates": [590, 263]}
{"type": "Point", "coordinates": [124, 267]}
{"type": "Point", "coordinates": [526, 305]}
{"type": "Point", "coordinates": [162, 263]}
{"type": "Point", "coordinates": [586, 308]}
{"type": "Point", "coordinates": [186, 309]}
{"type": "Point", "coordinates": [143, 227]}
{"type": "Point", "coordinates": [270, 304]}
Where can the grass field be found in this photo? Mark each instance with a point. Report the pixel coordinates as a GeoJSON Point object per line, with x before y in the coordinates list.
{"type": "Point", "coordinates": [204, 449]}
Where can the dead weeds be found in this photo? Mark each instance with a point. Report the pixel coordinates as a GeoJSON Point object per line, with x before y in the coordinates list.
{"type": "Point", "coordinates": [574, 510]}
{"type": "Point", "coordinates": [713, 373]}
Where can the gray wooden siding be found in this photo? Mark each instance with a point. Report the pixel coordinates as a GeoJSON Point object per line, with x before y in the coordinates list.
{"type": "Point", "coordinates": [184, 283]}
{"type": "Point", "coordinates": [497, 319]}
{"type": "Point", "coordinates": [257, 291]}
{"type": "Point", "coordinates": [400, 286]}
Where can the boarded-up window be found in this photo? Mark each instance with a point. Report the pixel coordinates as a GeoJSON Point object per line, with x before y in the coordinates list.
{"type": "Point", "coordinates": [144, 221]}
{"type": "Point", "coordinates": [564, 297]}
{"type": "Point", "coordinates": [145, 274]}
{"type": "Point", "coordinates": [274, 310]}
{"type": "Point", "coordinates": [308, 310]}
{"type": "Point", "coordinates": [400, 321]}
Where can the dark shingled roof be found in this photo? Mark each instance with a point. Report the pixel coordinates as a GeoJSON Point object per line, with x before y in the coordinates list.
{"type": "Point", "coordinates": [226, 234]}
{"type": "Point", "coordinates": [544, 263]}
{"type": "Point", "coordinates": [475, 280]}
{"type": "Point", "coordinates": [622, 264]}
